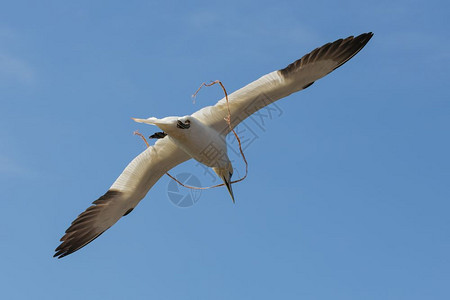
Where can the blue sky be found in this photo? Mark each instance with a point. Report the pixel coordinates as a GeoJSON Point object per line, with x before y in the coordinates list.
{"type": "Point", "coordinates": [348, 189]}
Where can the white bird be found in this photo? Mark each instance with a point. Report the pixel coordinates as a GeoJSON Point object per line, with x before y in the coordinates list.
{"type": "Point", "coordinates": [187, 137]}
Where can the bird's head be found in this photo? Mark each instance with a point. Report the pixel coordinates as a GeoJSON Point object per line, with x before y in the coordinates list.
{"type": "Point", "coordinates": [173, 126]}
{"type": "Point", "coordinates": [225, 174]}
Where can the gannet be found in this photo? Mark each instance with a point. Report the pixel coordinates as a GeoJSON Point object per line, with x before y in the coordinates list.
{"type": "Point", "coordinates": [183, 138]}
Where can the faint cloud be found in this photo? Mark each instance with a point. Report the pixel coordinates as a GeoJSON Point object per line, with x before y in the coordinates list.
{"type": "Point", "coordinates": [11, 168]}
{"type": "Point", "coordinates": [410, 38]}
{"type": "Point", "coordinates": [231, 26]}
{"type": "Point", "coordinates": [202, 19]}
{"type": "Point", "coordinates": [6, 33]}
{"type": "Point", "coordinates": [305, 34]}
{"type": "Point", "coordinates": [13, 68]}
{"type": "Point", "coordinates": [417, 41]}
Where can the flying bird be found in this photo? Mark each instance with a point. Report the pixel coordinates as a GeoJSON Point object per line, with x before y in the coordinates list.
{"type": "Point", "coordinates": [183, 138]}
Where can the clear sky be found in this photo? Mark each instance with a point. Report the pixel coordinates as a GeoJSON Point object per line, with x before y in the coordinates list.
{"type": "Point", "coordinates": [348, 191]}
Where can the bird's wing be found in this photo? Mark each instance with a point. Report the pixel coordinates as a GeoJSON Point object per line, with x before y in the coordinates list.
{"type": "Point", "coordinates": [121, 198]}
{"type": "Point", "coordinates": [279, 84]}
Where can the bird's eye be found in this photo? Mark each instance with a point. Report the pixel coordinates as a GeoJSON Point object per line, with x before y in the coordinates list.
{"type": "Point", "coordinates": [184, 125]}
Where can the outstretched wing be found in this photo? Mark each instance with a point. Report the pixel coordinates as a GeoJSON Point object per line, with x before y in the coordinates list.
{"type": "Point", "coordinates": [121, 198]}
{"type": "Point", "coordinates": [279, 84]}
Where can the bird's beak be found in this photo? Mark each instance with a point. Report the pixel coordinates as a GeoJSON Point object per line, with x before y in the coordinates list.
{"type": "Point", "coordinates": [228, 185]}
{"type": "Point", "coordinates": [164, 124]}
{"type": "Point", "coordinates": [152, 121]}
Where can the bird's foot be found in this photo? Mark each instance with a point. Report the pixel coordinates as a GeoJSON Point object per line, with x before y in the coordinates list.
{"type": "Point", "coordinates": [158, 135]}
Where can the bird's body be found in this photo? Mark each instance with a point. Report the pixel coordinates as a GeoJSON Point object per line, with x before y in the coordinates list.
{"type": "Point", "coordinates": [201, 136]}
{"type": "Point", "coordinates": [202, 142]}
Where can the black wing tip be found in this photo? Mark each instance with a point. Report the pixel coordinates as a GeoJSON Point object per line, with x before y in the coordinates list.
{"type": "Point", "coordinates": [60, 253]}
{"type": "Point", "coordinates": [77, 235]}
{"type": "Point", "coordinates": [357, 43]}
{"type": "Point", "coordinates": [341, 50]}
